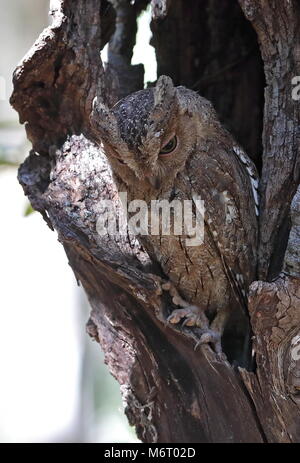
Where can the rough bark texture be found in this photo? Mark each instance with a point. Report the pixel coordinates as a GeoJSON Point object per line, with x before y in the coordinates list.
{"type": "Point", "coordinates": [213, 49]}
{"type": "Point", "coordinates": [278, 29]}
{"type": "Point", "coordinates": [174, 392]}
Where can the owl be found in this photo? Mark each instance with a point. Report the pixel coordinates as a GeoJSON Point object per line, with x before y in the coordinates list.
{"type": "Point", "coordinates": [166, 142]}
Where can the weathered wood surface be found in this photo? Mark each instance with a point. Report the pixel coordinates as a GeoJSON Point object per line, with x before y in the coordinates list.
{"type": "Point", "coordinates": [278, 30]}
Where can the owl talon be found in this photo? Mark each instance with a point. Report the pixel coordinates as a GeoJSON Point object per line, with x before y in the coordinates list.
{"type": "Point", "coordinates": [192, 315]}
{"type": "Point", "coordinates": [190, 321]}
{"type": "Point", "coordinates": [211, 337]}
{"type": "Point", "coordinates": [194, 318]}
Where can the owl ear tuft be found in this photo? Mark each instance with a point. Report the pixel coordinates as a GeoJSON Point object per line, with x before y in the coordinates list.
{"type": "Point", "coordinates": [163, 111]}
{"type": "Point", "coordinates": [103, 122]}
{"type": "Point", "coordinates": [164, 101]}
{"type": "Point", "coordinates": [164, 92]}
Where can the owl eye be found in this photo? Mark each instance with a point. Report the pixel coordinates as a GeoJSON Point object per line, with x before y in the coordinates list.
{"type": "Point", "coordinates": [169, 147]}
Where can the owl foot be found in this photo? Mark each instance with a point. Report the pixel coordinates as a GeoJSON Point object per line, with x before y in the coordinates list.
{"type": "Point", "coordinates": [193, 316]}
{"type": "Point", "coordinates": [211, 337]}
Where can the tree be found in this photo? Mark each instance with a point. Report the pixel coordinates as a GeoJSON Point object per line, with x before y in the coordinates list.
{"type": "Point", "coordinates": [228, 51]}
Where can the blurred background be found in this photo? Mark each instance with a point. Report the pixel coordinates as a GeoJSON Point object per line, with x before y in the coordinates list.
{"type": "Point", "coordinates": [54, 386]}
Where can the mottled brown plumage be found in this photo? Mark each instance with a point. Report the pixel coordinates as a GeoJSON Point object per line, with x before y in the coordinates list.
{"type": "Point", "coordinates": [206, 162]}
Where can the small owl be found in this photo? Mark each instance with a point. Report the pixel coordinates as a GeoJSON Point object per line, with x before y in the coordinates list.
{"type": "Point", "coordinates": [166, 143]}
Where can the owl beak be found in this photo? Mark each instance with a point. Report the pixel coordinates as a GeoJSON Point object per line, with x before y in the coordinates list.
{"type": "Point", "coordinates": [154, 181]}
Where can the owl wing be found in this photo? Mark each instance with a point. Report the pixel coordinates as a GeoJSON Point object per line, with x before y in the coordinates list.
{"type": "Point", "coordinates": [228, 185]}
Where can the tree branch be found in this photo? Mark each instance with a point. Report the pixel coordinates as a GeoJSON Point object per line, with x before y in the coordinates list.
{"type": "Point", "coordinates": [277, 25]}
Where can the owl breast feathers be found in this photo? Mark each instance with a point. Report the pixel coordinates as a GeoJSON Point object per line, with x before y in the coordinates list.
{"type": "Point", "coordinates": [166, 143]}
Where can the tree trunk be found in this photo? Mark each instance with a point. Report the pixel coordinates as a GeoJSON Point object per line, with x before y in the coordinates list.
{"type": "Point", "coordinates": [174, 392]}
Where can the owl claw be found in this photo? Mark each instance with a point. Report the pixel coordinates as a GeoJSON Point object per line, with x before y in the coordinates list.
{"type": "Point", "coordinates": [192, 315]}
{"type": "Point", "coordinates": [190, 321]}
{"type": "Point", "coordinates": [211, 337]}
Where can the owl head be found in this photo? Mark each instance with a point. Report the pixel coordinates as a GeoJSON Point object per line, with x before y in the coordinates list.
{"type": "Point", "coordinates": [149, 135]}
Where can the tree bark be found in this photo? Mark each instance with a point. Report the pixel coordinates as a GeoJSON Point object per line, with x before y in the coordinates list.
{"type": "Point", "coordinates": [174, 392]}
